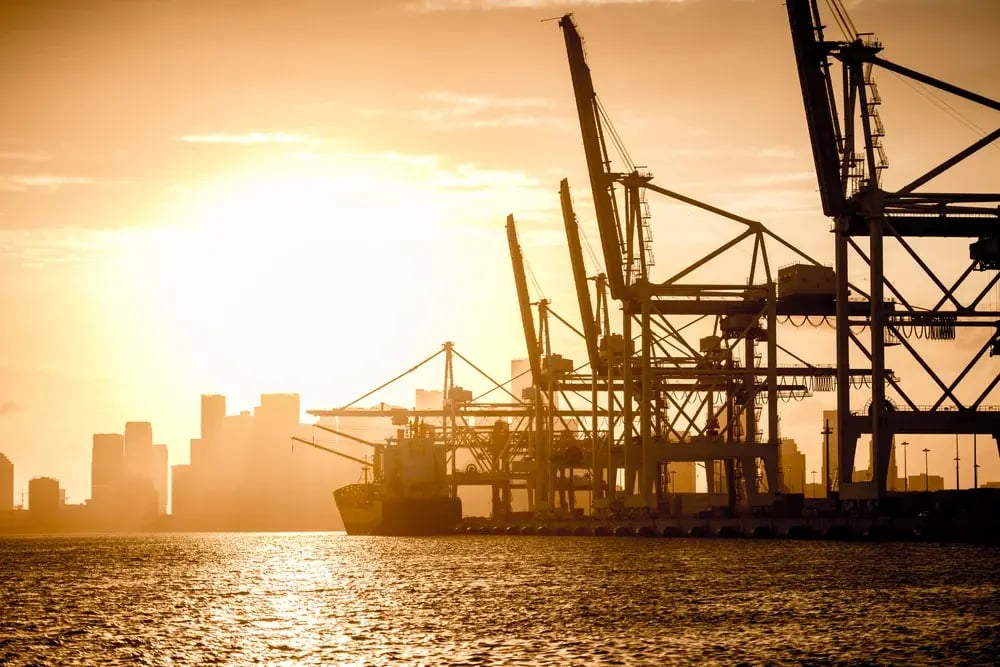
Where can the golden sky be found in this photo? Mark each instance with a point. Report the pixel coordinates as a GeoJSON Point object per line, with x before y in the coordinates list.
{"type": "Point", "coordinates": [247, 196]}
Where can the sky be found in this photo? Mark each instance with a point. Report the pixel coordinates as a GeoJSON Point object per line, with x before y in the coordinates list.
{"type": "Point", "coordinates": [309, 196]}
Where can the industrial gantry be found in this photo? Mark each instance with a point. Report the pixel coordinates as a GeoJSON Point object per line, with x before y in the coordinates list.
{"type": "Point", "coordinates": [670, 400]}
{"type": "Point", "coordinates": [846, 134]}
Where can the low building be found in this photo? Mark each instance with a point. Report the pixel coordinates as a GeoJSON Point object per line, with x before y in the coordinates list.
{"type": "Point", "coordinates": [923, 482]}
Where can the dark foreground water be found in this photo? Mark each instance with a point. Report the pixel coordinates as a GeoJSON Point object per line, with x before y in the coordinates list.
{"type": "Point", "coordinates": [333, 599]}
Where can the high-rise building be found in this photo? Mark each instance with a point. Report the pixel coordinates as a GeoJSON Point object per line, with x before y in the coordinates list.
{"type": "Point", "coordinates": [107, 466]}
{"type": "Point", "coordinates": [246, 473]}
{"type": "Point", "coordinates": [894, 482]}
{"type": "Point", "coordinates": [213, 412]}
{"type": "Point", "coordinates": [183, 500]}
{"type": "Point", "coordinates": [279, 410]}
{"type": "Point", "coordinates": [158, 473]}
{"type": "Point", "coordinates": [198, 453]}
{"type": "Point", "coordinates": [138, 448]}
{"type": "Point", "coordinates": [6, 484]}
{"type": "Point", "coordinates": [43, 499]}
{"type": "Point", "coordinates": [792, 464]}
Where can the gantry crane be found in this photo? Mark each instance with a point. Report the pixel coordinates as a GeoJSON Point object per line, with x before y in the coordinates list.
{"type": "Point", "coordinates": [683, 401]}
{"type": "Point", "coordinates": [846, 136]}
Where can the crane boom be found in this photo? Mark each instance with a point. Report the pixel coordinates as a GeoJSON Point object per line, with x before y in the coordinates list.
{"type": "Point", "coordinates": [579, 273]}
{"type": "Point", "coordinates": [331, 451]}
{"type": "Point", "coordinates": [601, 182]}
{"type": "Point", "coordinates": [347, 435]}
{"type": "Point", "coordinates": [813, 69]}
{"type": "Point", "coordinates": [524, 303]}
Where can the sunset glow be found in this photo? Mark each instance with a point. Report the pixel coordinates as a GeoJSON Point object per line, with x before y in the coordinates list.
{"type": "Point", "coordinates": [312, 198]}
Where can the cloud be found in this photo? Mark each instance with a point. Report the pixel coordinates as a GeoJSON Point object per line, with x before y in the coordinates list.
{"type": "Point", "coordinates": [777, 152]}
{"type": "Point", "coordinates": [8, 408]}
{"type": "Point", "coordinates": [464, 103]}
{"type": "Point", "coordinates": [48, 182]}
{"type": "Point", "coordinates": [43, 247]}
{"type": "Point", "coordinates": [450, 111]}
{"type": "Point", "coordinates": [778, 178]}
{"type": "Point", "coordinates": [25, 156]}
{"type": "Point", "coordinates": [246, 139]}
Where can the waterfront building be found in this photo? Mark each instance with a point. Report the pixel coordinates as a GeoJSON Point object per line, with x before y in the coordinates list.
{"type": "Point", "coordinates": [183, 493]}
{"type": "Point", "coordinates": [6, 484]}
{"type": "Point", "coordinates": [138, 448]}
{"type": "Point", "coordinates": [158, 475]}
{"type": "Point", "coordinates": [247, 474]}
{"type": "Point", "coordinates": [43, 499]}
{"type": "Point", "coordinates": [107, 467]}
{"type": "Point", "coordinates": [681, 476]}
{"type": "Point", "coordinates": [922, 482]}
{"type": "Point", "coordinates": [213, 412]}
{"type": "Point", "coordinates": [792, 464]}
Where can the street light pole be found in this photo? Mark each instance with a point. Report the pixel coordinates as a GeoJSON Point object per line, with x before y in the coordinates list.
{"type": "Point", "coordinates": [906, 476]}
{"type": "Point", "coordinates": [826, 432]}
{"type": "Point", "coordinates": [956, 462]}
{"type": "Point", "coordinates": [975, 464]}
{"type": "Point", "coordinates": [927, 480]}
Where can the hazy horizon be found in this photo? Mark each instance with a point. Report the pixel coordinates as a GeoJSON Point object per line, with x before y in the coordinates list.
{"type": "Point", "coordinates": [254, 197]}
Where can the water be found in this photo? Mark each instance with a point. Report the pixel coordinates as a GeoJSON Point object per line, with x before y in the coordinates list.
{"type": "Point", "coordinates": [334, 599]}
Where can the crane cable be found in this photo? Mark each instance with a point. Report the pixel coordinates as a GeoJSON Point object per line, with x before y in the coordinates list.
{"type": "Point", "coordinates": [615, 138]}
{"type": "Point", "coordinates": [590, 249]}
{"type": "Point", "coordinates": [531, 277]}
{"type": "Point", "coordinates": [842, 19]}
{"type": "Point", "coordinates": [937, 100]}
{"type": "Point", "coordinates": [850, 32]}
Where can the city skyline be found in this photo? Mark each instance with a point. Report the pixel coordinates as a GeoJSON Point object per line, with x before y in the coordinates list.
{"type": "Point", "coordinates": [798, 471]}
{"type": "Point", "coordinates": [268, 267]}
{"type": "Point", "coordinates": [191, 233]}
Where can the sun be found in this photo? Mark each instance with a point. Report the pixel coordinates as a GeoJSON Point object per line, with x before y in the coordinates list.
{"type": "Point", "coordinates": [259, 273]}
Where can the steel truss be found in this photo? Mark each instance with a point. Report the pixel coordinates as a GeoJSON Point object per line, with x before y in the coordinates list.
{"type": "Point", "coordinates": [846, 135]}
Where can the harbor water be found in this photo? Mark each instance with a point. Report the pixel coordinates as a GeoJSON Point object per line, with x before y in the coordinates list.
{"type": "Point", "coordinates": [333, 599]}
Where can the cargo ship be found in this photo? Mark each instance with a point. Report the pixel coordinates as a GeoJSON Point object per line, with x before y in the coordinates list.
{"type": "Point", "coordinates": [408, 493]}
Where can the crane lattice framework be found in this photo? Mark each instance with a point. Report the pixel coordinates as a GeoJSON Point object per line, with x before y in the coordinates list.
{"type": "Point", "coordinates": [500, 440]}
{"type": "Point", "coordinates": [846, 136]}
{"type": "Point", "coordinates": [709, 400]}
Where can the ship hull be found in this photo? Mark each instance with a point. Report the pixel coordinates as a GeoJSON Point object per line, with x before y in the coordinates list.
{"type": "Point", "coordinates": [365, 512]}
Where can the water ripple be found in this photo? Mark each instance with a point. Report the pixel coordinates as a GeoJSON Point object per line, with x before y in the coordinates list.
{"type": "Point", "coordinates": [478, 600]}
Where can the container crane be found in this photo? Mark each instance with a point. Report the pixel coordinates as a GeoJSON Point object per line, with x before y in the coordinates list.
{"type": "Point", "coordinates": [846, 139]}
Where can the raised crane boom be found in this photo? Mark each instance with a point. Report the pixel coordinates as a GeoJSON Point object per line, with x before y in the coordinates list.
{"type": "Point", "coordinates": [601, 182]}
{"type": "Point", "coordinates": [524, 303]}
{"type": "Point", "coordinates": [579, 274]}
{"type": "Point", "coordinates": [821, 116]}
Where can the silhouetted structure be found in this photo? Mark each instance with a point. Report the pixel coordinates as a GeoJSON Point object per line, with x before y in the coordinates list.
{"type": "Point", "coordinates": [128, 480]}
{"type": "Point", "coordinates": [793, 467]}
{"type": "Point", "coordinates": [107, 468]}
{"type": "Point", "coordinates": [158, 475]}
{"type": "Point", "coordinates": [682, 476]}
{"type": "Point", "coordinates": [246, 475]}
{"type": "Point", "coordinates": [923, 482]}
{"type": "Point", "coordinates": [831, 448]}
{"type": "Point", "coordinates": [213, 412]}
{"type": "Point", "coordinates": [6, 484]}
{"type": "Point", "coordinates": [43, 500]}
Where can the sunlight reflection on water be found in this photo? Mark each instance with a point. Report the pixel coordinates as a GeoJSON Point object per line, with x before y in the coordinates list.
{"type": "Point", "coordinates": [334, 599]}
